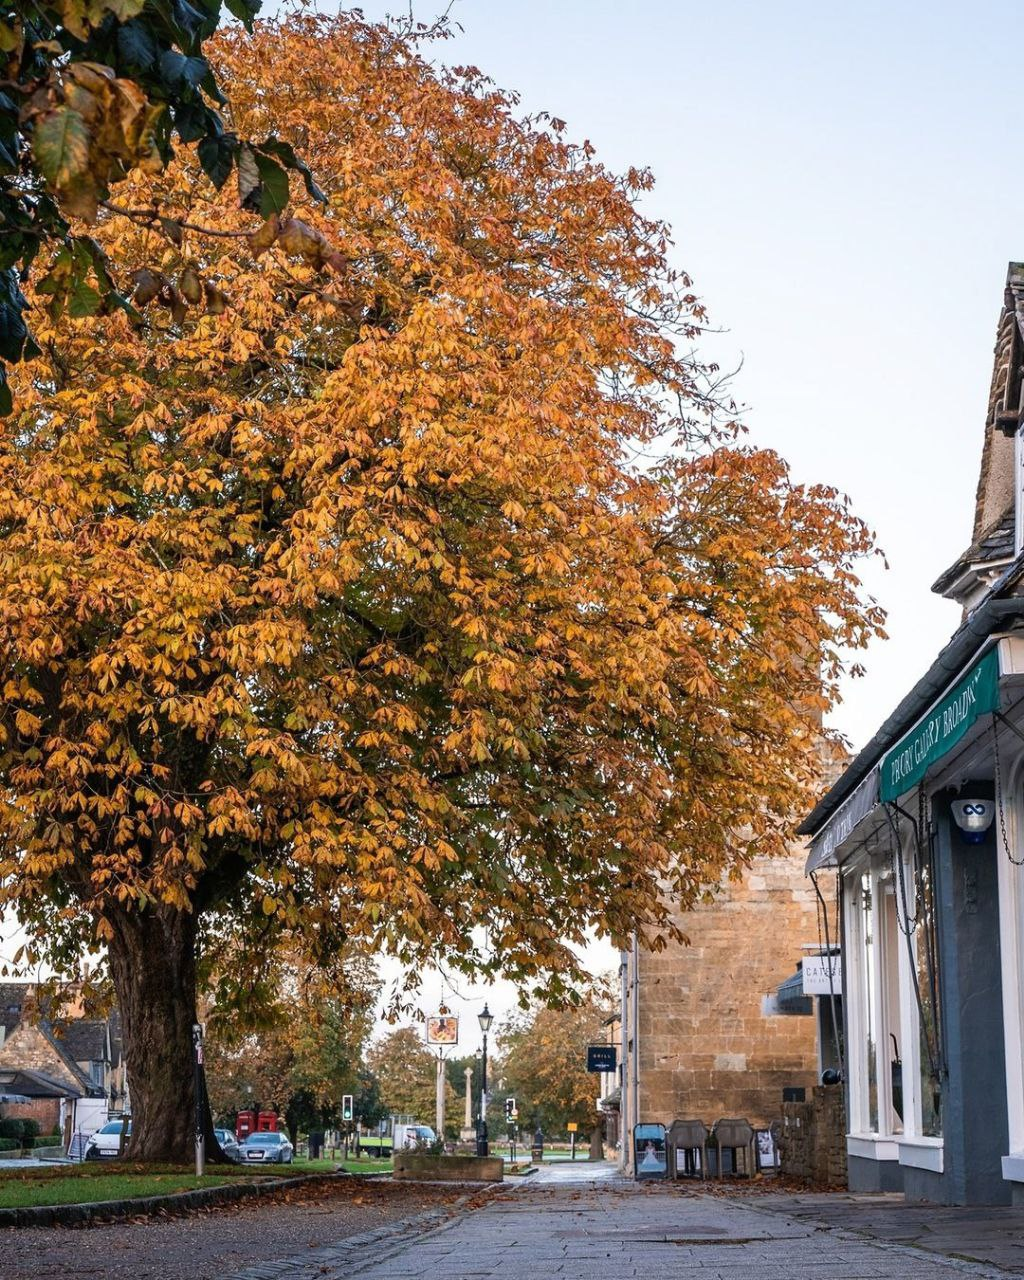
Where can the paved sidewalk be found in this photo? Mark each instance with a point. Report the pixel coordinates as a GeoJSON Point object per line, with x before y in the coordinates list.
{"type": "Point", "coordinates": [564, 1225]}
{"type": "Point", "coordinates": [993, 1235]}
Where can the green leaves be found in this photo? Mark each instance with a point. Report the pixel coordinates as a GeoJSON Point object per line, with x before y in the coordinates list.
{"type": "Point", "coordinates": [105, 87]}
{"type": "Point", "coordinates": [217, 156]}
{"type": "Point", "coordinates": [285, 152]}
{"type": "Point", "coordinates": [262, 183]}
{"type": "Point", "coordinates": [274, 185]}
{"type": "Point", "coordinates": [60, 144]}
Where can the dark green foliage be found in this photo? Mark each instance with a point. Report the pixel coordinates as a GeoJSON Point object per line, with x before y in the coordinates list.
{"type": "Point", "coordinates": [94, 88]}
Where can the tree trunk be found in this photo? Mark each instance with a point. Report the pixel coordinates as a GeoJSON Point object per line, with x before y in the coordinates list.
{"type": "Point", "coordinates": [153, 966]}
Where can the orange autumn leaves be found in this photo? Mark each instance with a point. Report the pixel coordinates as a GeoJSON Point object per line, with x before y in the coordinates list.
{"type": "Point", "coordinates": [413, 591]}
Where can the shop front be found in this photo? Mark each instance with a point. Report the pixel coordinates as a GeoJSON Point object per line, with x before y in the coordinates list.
{"type": "Point", "coordinates": [926, 829]}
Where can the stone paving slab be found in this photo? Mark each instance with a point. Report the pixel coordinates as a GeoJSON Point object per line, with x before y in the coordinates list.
{"type": "Point", "coordinates": [600, 1227]}
{"type": "Point", "coordinates": [992, 1235]}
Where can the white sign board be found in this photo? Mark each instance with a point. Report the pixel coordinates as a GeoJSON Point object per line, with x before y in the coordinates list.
{"type": "Point", "coordinates": [816, 977]}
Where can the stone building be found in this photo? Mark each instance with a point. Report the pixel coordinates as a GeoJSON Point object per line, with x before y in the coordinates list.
{"type": "Point", "coordinates": [70, 1065]}
{"type": "Point", "coordinates": [34, 1065]}
{"type": "Point", "coordinates": [706, 1033]}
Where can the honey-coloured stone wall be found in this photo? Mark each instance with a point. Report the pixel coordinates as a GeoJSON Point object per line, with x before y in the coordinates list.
{"type": "Point", "coordinates": [709, 1045]}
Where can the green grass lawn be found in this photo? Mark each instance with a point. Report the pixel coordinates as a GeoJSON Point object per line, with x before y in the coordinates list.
{"type": "Point", "coordinates": [371, 1165]}
{"type": "Point", "coordinates": [121, 1180]}
{"type": "Point", "coordinates": [74, 1188]}
{"type": "Point", "coordinates": [93, 1181]}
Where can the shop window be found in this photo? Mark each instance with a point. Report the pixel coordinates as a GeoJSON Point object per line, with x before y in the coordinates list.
{"type": "Point", "coordinates": [876, 1063]}
{"type": "Point", "coordinates": [929, 1053]}
{"type": "Point", "coordinates": [869, 1000]}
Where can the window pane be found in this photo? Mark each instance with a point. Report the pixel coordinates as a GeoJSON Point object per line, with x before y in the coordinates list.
{"type": "Point", "coordinates": [927, 979]}
{"type": "Point", "coordinates": [869, 958]}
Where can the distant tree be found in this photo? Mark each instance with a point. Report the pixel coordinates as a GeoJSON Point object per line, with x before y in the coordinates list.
{"type": "Point", "coordinates": [407, 1072]}
{"type": "Point", "coordinates": [304, 1051]}
{"type": "Point", "coordinates": [455, 1071]}
{"type": "Point", "coordinates": [367, 1103]}
{"type": "Point", "coordinates": [543, 1062]}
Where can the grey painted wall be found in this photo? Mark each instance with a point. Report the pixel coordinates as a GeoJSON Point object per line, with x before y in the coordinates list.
{"type": "Point", "coordinates": [874, 1175]}
{"type": "Point", "coordinates": [974, 1119]}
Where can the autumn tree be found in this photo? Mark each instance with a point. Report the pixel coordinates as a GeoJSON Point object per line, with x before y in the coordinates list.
{"type": "Point", "coordinates": [543, 1061]}
{"type": "Point", "coordinates": [297, 1052]}
{"type": "Point", "coordinates": [92, 90]}
{"type": "Point", "coordinates": [406, 1072]}
{"type": "Point", "coordinates": [408, 588]}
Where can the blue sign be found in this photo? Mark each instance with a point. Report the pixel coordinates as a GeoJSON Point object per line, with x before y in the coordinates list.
{"type": "Point", "coordinates": [601, 1057]}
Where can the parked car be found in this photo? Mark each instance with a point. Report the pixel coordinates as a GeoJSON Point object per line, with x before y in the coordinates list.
{"type": "Point", "coordinates": [105, 1143]}
{"type": "Point", "coordinates": [229, 1144]}
{"type": "Point", "coordinates": [412, 1137]}
{"type": "Point", "coordinates": [268, 1147]}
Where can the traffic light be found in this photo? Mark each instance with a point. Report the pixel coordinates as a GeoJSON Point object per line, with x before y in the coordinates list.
{"type": "Point", "coordinates": [510, 1109]}
{"type": "Point", "coordinates": [346, 1107]}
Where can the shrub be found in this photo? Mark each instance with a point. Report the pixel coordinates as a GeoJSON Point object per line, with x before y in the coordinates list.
{"type": "Point", "coordinates": [12, 1129]}
{"type": "Point", "coordinates": [10, 1144]}
{"type": "Point", "coordinates": [30, 1130]}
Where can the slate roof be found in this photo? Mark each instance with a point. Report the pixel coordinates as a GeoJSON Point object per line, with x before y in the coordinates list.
{"type": "Point", "coordinates": [994, 545]}
{"type": "Point", "coordinates": [35, 1084]}
{"type": "Point", "coordinates": [12, 996]}
{"type": "Point", "coordinates": [85, 1040]}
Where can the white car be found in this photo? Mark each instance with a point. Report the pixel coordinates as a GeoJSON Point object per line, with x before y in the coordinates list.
{"type": "Point", "coordinates": [268, 1147]}
{"type": "Point", "coordinates": [105, 1143]}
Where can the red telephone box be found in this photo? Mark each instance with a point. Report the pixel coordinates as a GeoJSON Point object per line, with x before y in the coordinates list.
{"type": "Point", "coordinates": [267, 1122]}
{"type": "Point", "coordinates": [245, 1123]}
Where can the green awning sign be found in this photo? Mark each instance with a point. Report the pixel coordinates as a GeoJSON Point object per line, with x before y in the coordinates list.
{"type": "Point", "coordinates": [947, 722]}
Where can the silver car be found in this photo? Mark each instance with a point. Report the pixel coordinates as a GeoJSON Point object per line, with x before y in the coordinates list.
{"type": "Point", "coordinates": [229, 1144]}
{"type": "Point", "coordinates": [267, 1148]}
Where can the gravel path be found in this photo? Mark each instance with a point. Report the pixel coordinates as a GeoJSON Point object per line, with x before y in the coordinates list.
{"type": "Point", "coordinates": [214, 1243]}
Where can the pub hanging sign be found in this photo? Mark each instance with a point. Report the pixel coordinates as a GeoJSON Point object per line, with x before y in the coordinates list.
{"type": "Point", "coordinates": [949, 720]}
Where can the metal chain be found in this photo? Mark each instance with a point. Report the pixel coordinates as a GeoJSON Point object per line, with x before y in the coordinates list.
{"type": "Point", "coordinates": [906, 926]}
{"type": "Point", "coordinates": [1017, 862]}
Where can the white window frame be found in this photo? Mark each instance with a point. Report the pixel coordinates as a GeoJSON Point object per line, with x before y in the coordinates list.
{"type": "Point", "coordinates": [853, 984]}
{"type": "Point", "coordinates": [909, 1146]}
{"type": "Point", "coordinates": [1011, 954]}
{"type": "Point", "coordinates": [916, 1149]}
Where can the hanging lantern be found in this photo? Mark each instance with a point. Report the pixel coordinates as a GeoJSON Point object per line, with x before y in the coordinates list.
{"type": "Point", "coordinates": [973, 817]}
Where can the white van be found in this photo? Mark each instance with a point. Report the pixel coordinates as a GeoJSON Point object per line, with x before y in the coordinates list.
{"type": "Point", "coordinates": [413, 1137]}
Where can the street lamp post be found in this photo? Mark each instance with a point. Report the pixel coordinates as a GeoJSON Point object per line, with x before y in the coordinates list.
{"type": "Point", "coordinates": [485, 1019]}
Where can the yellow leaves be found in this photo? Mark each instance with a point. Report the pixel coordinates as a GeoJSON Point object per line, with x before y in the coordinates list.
{"type": "Point", "coordinates": [26, 723]}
